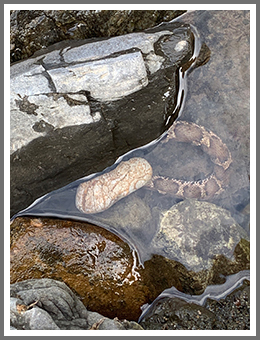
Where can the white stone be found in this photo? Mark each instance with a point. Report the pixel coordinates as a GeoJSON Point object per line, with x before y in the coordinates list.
{"type": "Point", "coordinates": [154, 62]}
{"type": "Point", "coordinates": [58, 113]}
{"type": "Point", "coordinates": [30, 82]}
{"type": "Point", "coordinates": [106, 79]}
{"type": "Point", "coordinates": [50, 111]}
{"type": "Point", "coordinates": [52, 58]}
{"type": "Point", "coordinates": [180, 45]}
{"type": "Point", "coordinates": [100, 49]}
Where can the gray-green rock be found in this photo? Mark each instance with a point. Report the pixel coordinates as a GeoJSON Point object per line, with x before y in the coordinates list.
{"type": "Point", "coordinates": [46, 304]}
{"type": "Point", "coordinates": [195, 233]}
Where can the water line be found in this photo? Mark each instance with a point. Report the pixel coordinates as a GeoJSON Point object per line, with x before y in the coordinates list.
{"type": "Point", "coordinates": [214, 292]}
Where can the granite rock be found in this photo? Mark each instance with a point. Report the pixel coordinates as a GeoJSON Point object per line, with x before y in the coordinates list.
{"type": "Point", "coordinates": [195, 233]}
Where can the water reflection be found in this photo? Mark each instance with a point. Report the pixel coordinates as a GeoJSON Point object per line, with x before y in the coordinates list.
{"type": "Point", "coordinates": [216, 292]}
{"type": "Point", "coordinates": [218, 99]}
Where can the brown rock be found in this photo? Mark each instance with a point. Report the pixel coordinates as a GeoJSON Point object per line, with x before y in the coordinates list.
{"type": "Point", "coordinates": [94, 263]}
{"type": "Point", "coordinates": [102, 269]}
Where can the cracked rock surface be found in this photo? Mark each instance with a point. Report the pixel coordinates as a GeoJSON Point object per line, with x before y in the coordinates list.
{"type": "Point", "coordinates": [47, 304]}
{"type": "Point", "coordinates": [34, 30]}
{"type": "Point", "coordinates": [76, 107]}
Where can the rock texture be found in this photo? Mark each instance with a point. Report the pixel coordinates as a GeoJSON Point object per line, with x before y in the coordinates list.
{"type": "Point", "coordinates": [96, 264]}
{"type": "Point", "coordinates": [46, 95]}
{"type": "Point", "coordinates": [103, 191]}
{"type": "Point", "coordinates": [102, 269]}
{"type": "Point", "coordinates": [35, 30]}
{"type": "Point", "coordinates": [47, 304]}
{"type": "Point", "coordinates": [67, 119]}
{"type": "Point", "coordinates": [195, 233]}
{"type": "Point", "coordinates": [218, 99]}
{"type": "Point", "coordinates": [232, 313]}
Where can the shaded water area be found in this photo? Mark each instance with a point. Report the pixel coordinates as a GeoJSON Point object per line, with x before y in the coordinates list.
{"type": "Point", "coordinates": [197, 229]}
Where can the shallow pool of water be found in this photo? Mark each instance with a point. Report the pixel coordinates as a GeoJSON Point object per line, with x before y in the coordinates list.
{"type": "Point", "coordinates": [217, 99]}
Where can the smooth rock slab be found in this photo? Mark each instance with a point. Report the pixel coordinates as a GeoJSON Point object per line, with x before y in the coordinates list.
{"type": "Point", "coordinates": [104, 78]}
{"type": "Point", "coordinates": [93, 262]}
{"type": "Point", "coordinates": [99, 266]}
{"type": "Point", "coordinates": [100, 49]}
{"type": "Point", "coordinates": [90, 70]}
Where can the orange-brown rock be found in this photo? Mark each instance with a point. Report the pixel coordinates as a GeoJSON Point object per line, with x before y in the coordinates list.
{"type": "Point", "coordinates": [94, 263]}
{"type": "Point", "coordinates": [102, 269]}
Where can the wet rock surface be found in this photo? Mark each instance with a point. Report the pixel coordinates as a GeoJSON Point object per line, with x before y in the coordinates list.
{"type": "Point", "coordinates": [67, 118]}
{"type": "Point", "coordinates": [102, 269]}
{"type": "Point", "coordinates": [230, 313]}
{"type": "Point", "coordinates": [194, 233]}
{"type": "Point", "coordinates": [35, 30]}
{"type": "Point", "coordinates": [96, 264]}
{"type": "Point", "coordinates": [48, 304]}
{"type": "Point", "coordinates": [218, 98]}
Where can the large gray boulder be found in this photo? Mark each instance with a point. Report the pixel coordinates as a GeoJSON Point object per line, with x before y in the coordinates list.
{"type": "Point", "coordinates": [75, 109]}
